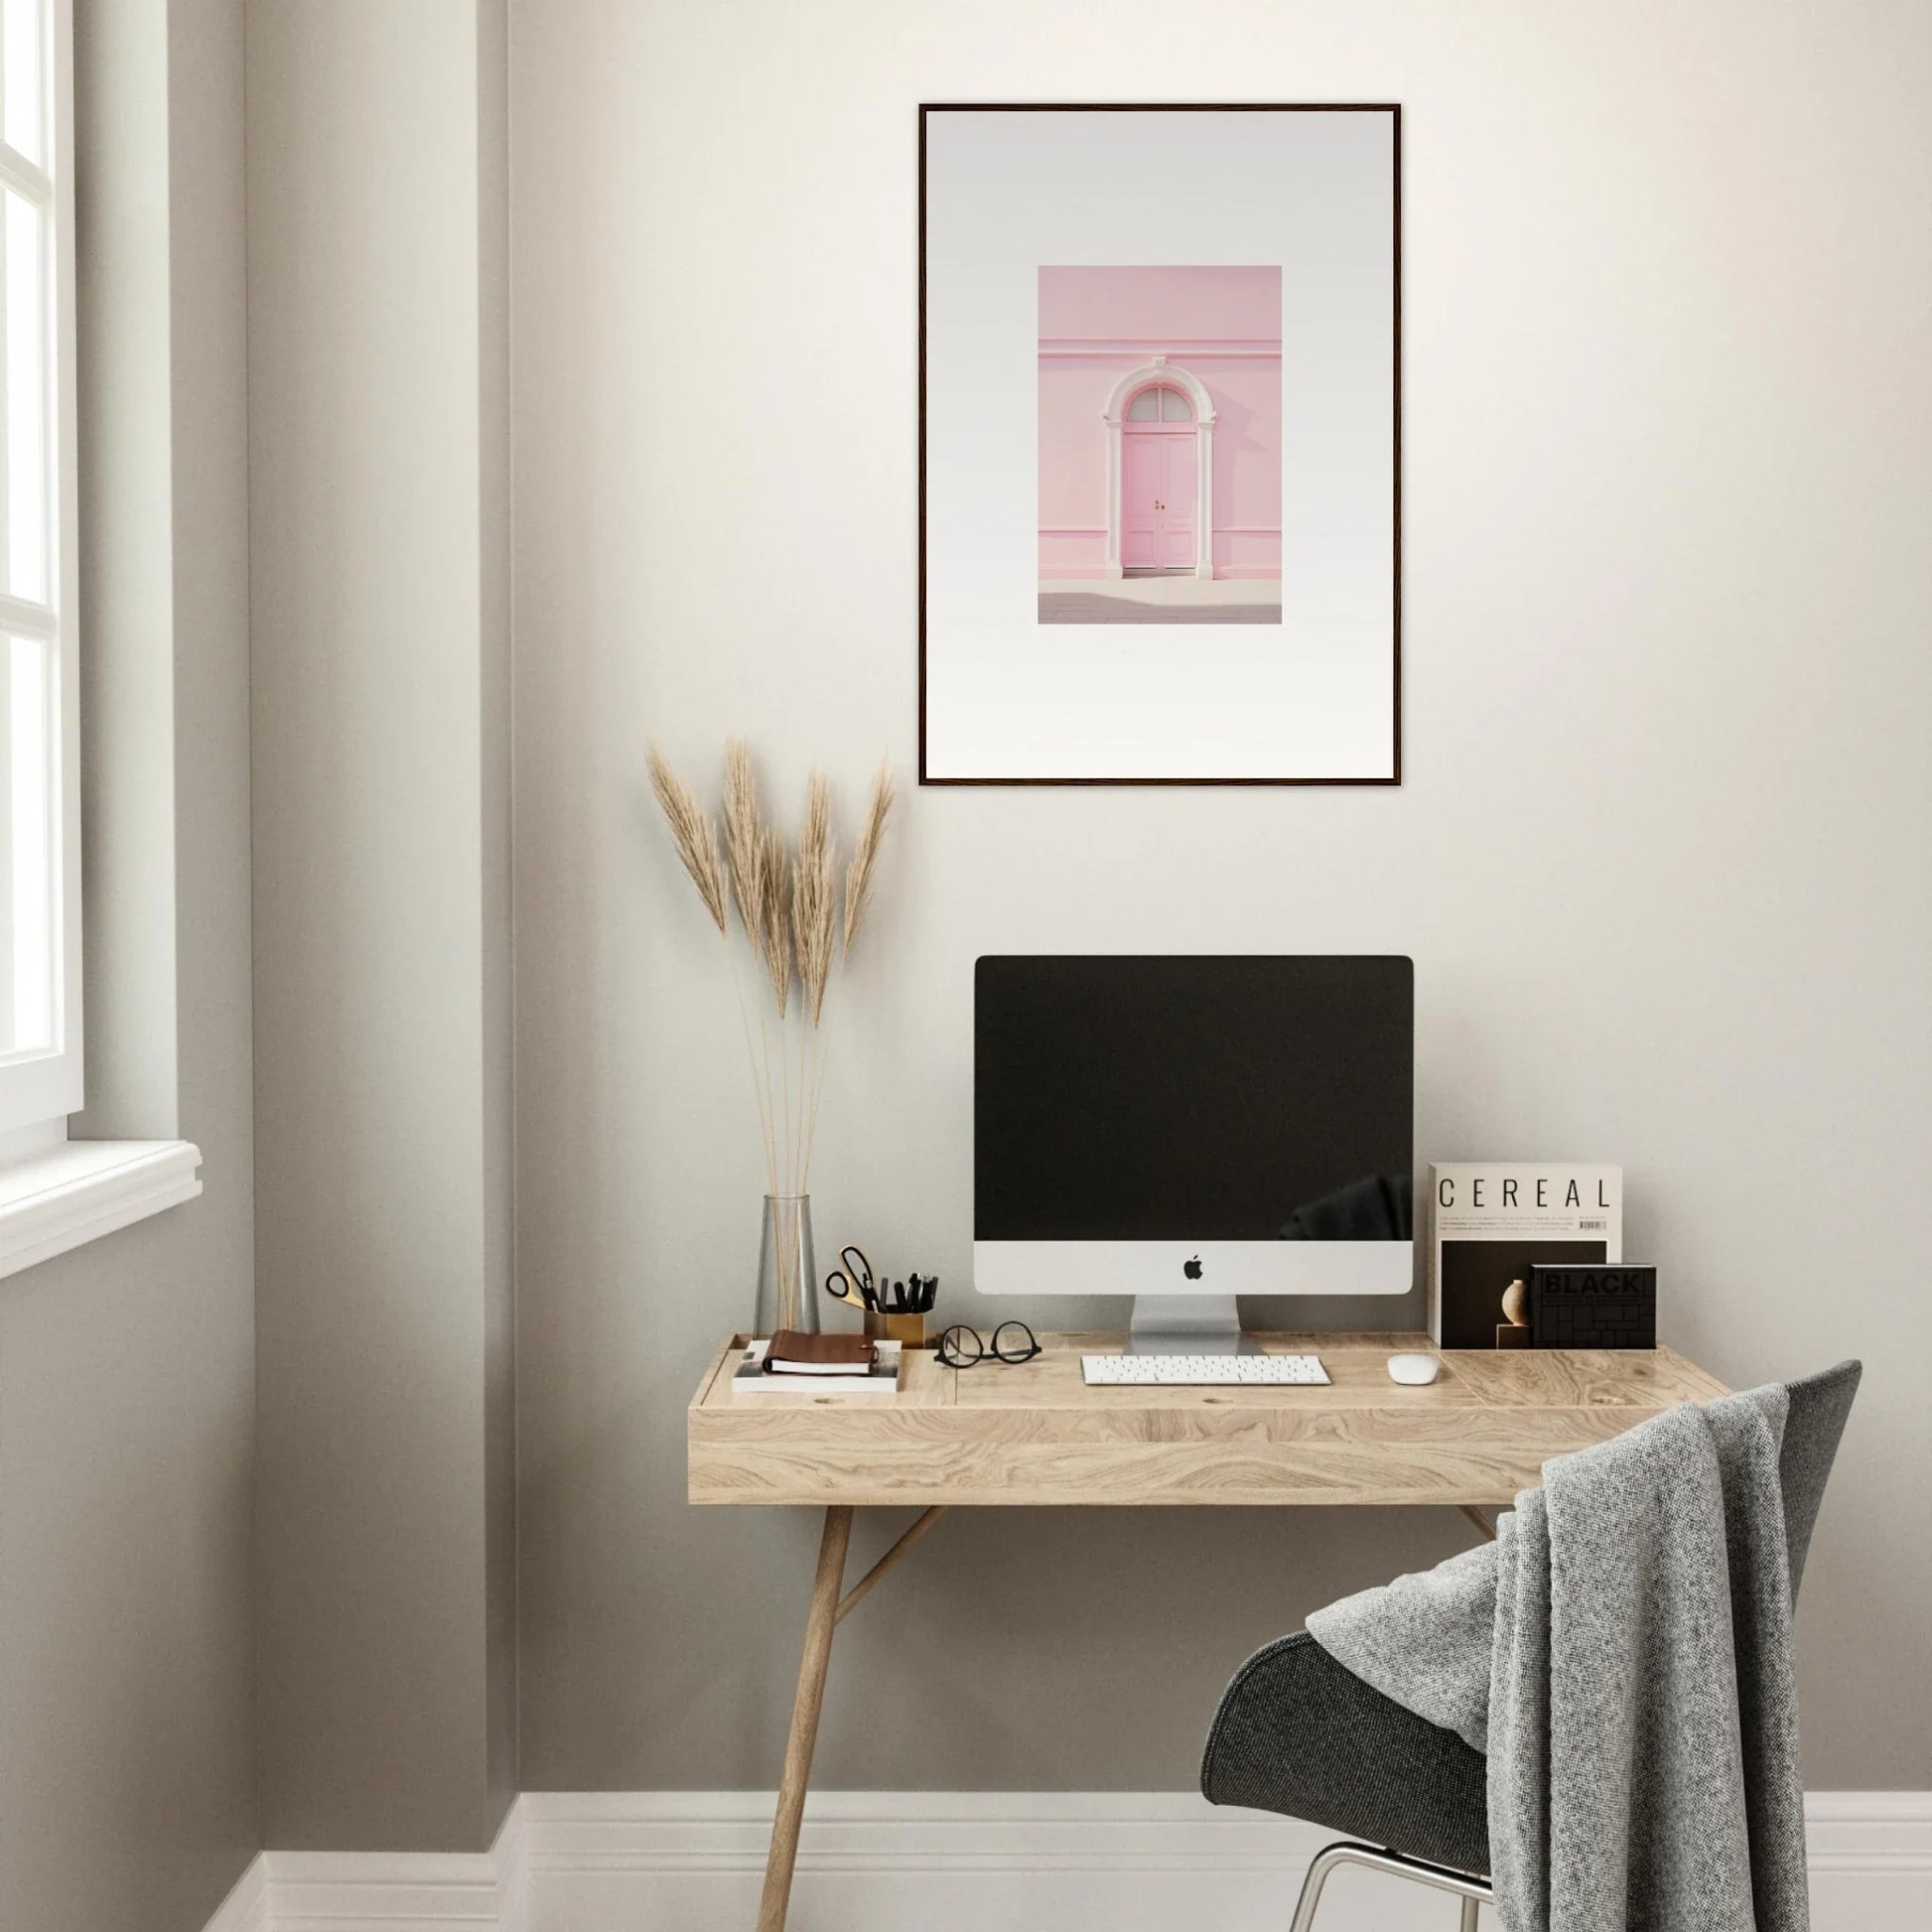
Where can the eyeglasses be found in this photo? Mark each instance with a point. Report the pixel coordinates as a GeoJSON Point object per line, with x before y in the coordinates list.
{"type": "Point", "coordinates": [1012, 1342]}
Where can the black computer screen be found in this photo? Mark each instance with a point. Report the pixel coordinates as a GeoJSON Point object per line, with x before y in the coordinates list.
{"type": "Point", "coordinates": [1193, 1098]}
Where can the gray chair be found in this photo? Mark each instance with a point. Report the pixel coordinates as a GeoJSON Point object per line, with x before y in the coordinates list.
{"type": "Point", "coordinates": [1298, 1733]}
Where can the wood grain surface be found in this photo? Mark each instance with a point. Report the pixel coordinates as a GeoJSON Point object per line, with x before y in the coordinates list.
{"type": "Point", "coordinates": [1034, 1433]}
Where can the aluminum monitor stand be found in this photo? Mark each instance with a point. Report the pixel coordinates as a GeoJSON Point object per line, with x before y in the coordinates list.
{"type": "Point", "coordinates": [1187, 1325]}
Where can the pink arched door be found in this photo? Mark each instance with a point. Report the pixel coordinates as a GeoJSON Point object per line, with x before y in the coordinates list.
{"type": "Point", "coordinates": [1159, 483]}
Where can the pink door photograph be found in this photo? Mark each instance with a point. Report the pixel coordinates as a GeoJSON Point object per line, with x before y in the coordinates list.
{"type": "Point", "coordinates": [1157, 496]}
{"type": "Point", "coordinates": [1214, 441]}
{"type": "Point", "coordinates": [1141, 466]}
{"type": "Point", "coordinates": [1160, 480]}
{"type": "Point", "coordinates": [1176, 506]}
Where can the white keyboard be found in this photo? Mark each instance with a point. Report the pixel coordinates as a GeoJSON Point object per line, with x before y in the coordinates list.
{"type": "Point", "coordinates": [1202, 1372]}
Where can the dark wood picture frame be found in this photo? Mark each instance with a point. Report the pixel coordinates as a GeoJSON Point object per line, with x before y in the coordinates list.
{"type": "Point", "coordinates": [1394, 777]}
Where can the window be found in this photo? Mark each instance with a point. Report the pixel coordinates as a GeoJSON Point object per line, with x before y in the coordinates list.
{"type": "Point", "coordinates": [55, 1193]}
{"type": "Point", "coordinates": [1160, 405]}
{"type": "Point", "coordinates": [39, 898]}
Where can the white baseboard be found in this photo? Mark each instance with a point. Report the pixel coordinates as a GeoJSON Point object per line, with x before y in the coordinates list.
{"type": "Point", "coordinates": [1870, 1860]}
{"type": "Point", "coordinates": [955, 1862]}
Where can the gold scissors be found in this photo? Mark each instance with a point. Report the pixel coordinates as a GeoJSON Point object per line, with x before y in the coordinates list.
{"type": "Point", "coordinates": [852, 1280]}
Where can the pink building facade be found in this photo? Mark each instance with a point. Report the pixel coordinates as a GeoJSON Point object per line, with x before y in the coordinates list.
{"type": "Point", "coordinates": [1159, 421]}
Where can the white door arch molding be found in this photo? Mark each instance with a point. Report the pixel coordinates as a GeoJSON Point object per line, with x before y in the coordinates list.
{"type": "Point", "coordinates": [1161, 373]}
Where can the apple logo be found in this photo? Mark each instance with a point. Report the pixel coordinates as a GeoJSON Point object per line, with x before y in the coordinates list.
{"type": "Point", "coordinates": [1192, 1269]}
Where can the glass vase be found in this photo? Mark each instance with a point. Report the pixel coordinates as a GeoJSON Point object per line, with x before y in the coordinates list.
{"type": "Point", "coordinates": [787, 1274]}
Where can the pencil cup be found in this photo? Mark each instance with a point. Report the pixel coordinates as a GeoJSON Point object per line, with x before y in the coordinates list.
{"type": "Point", "coordinates": [908, 1329]}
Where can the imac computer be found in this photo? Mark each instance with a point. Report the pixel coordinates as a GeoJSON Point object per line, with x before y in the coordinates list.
{"type": "Point", "coordinates": [1184, 1129]}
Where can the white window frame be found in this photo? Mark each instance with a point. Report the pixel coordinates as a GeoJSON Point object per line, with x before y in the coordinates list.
{"type": "Point", "coordinates": [40, 1088]}
{"type": "Point", "coordinates": [56, 1193]}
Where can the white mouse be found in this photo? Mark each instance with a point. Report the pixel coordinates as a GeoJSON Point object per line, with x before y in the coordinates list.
{"type": "Point", "coordinates": [1414, 1369]}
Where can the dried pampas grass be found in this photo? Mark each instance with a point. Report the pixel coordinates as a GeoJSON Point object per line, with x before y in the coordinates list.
{"type": "Point", "coordinates": [774, 915]}
{"type": "Point", "coordinates": [788, 908]}
{"type": "Point", "coordinates": [693, 833]}
{"type": "Point", "coordinates": [744, 843]}
{"type": "Point", "coordinates": [864, 853]}
{"type": "Point", "coordinates": [814, 898]}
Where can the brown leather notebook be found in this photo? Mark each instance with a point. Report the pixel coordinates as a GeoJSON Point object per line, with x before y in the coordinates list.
{"type": "Point", "coordinates": [793, 1353]}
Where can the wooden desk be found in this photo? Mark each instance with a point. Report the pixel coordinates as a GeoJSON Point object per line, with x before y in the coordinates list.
{"type": "Point", "coordinates": [1034, 1433]}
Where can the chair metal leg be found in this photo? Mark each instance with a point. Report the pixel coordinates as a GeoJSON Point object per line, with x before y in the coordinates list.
{"type": "Point", "coordinates": [1471, 1890]}
{"type": "Point", "coordinates": [1323, 1863]}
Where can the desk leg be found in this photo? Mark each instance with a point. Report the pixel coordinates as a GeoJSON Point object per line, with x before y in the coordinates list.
{"type": "Point", "coordinates": [823, 1615]}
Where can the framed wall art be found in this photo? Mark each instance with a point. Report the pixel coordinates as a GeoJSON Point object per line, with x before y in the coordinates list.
{"type": "Point", "coordinates": [1159, 445]}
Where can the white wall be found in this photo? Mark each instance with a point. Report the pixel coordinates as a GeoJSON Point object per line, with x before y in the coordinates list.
{"type": "Point", "coordinates": [1660, 855]}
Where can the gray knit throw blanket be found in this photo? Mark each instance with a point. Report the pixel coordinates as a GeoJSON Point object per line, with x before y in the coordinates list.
{"type": "Point", "coordinates": [1622, 1652]}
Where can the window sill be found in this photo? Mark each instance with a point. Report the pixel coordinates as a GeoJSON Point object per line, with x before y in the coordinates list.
{"type": "Point", "coordinates": [82, 1189]}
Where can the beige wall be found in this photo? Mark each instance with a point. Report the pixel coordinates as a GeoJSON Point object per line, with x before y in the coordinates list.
{"type": "Point", "coordinates": [1660, 856]}
{"type": "Point", "coordinates": [1666, 459]}
{"type": "Point", "coordinates": [495, 908]}
{"type": "Point", "coordinates": [378, 563]}
{"type": "Point", "coordinates": [127, 1757]}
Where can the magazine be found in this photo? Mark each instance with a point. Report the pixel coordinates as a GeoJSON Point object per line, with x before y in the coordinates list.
{"type": "Point", "coordinates": [1490, 1219]}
